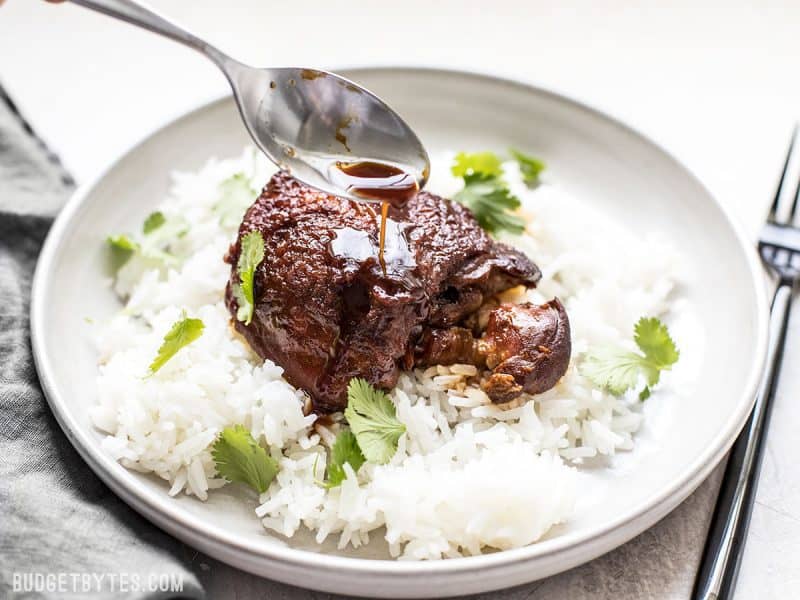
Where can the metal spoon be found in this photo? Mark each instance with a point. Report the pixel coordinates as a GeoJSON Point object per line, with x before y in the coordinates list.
{"type": "Point", "coordinates": [305, 120]}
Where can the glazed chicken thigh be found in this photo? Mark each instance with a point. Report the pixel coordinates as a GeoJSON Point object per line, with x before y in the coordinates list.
{"type": "Point", "coordinates": [327, 310]}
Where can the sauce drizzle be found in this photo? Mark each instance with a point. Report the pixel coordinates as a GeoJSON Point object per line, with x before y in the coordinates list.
{"type": "Point", "coordinates": [382, 236]}
{"type": "Point", "coordinates": [389, 184]}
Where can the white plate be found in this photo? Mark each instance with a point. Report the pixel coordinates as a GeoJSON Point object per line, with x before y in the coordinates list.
{"type": "Point", "coordinates": [588, 154]}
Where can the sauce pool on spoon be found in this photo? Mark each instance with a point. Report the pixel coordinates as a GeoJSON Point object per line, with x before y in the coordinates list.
{"type": "Point", "coordinates": [378, 181]}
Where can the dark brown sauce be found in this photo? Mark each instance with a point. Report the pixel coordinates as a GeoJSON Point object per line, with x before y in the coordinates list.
{"type": "Point", "coordinates": [340, 135]}
{"type": "Point", "coordinates": [356, 247]}
{"type": "Point", "coordinates": [379, 181]}
{"type": "Point", "coordinates": [352, 245]}
{"type": "Point", "coordinates": [382, 235]}
{"type": "Point", "coordinates": [312, 74]}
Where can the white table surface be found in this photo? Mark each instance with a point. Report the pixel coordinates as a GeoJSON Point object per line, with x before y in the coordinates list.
{"type": "Point", "coordinates": [717, 83]}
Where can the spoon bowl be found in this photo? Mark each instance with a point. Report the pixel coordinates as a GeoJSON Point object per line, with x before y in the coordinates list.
{"type": "Point", "coordinates": [308, 122]}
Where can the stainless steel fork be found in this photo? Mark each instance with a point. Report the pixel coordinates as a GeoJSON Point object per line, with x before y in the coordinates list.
{"type": "Point", "coordinates": [779, 246]}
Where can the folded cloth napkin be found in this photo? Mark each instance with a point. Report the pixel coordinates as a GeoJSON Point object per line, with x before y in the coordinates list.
{"type": "Point", "coordinates": [57, 520]}
{"type": "Point", "coordinates": [63, 533]}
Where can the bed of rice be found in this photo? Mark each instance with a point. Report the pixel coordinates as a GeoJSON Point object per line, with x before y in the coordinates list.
{"type": "Point", "coordinates": [467, 477]}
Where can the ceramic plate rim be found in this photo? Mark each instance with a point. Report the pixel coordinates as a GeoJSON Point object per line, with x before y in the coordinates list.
{"type": "Point", "coordinates": [157, 508]}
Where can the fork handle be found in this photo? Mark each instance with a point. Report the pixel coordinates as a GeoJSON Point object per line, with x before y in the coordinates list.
{"type": "Point", "coordinates": [724, 547]}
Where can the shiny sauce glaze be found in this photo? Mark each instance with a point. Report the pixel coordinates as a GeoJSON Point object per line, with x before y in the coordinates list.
{"type": "Point", "coordinates": [390, 185]}
{"type": "Point", "coordinates": [397, 260]}
{"type": "Point", "coordinates": [382, 235]}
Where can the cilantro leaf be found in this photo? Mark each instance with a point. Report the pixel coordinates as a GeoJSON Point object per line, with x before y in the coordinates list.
{"type": "Point", "coordinates": [122, 248]}
{"type": "Point", "coordinates": [490, 201]}
{"type": "Point", "coordinates": [251, 254]}
{"type": "Point", "coordinates": [614, 369]}
{"type": "Point", "coordinates": [122, 242]}
{"type": "Point", "coordinates": [153, 222]}
{"type": "Point", "coordinates": [653, 338]}
{"type": "Point", "coordinates": [244, 312]}
{"type": "Point", "coordinates": [182, 333]}
{"type": "Point", "coordinates": [485, 163]}
{"type": "Point", "coordinates": [158, 233]}
{"type": "Point", "coordinates": [235, 197]}
{"type": "Point", "coordinates": [617, 369]}
{"type": "Point", "coordinates": [485, 192]}
{"type": "Point", "coordinates": [161, 231]}
{"type": "Point", "coordinates": [345, 450]}
{"type": "Point", "coordinates": [529, 166]}
{"type": "Point", "coordinates": [239, 458]}
{"type": "Point", "coordinates": [373, 420]}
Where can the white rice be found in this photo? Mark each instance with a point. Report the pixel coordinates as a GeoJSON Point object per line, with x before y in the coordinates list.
{"type": "Point", "coordinates": [468, 476]}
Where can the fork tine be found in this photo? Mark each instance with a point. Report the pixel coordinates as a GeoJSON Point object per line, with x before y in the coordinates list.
{"type": "Point", "coordinates": [773, 210]}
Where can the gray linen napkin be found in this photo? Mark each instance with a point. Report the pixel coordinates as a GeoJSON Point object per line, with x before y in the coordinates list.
{"type": "Point", "coordinates": [63, 533]}
{"type": "Point", "coordinates": [57, 517]}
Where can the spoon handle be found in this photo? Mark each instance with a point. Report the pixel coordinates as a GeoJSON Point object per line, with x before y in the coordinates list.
{"type": "Point", "coordinates": [138, 14]}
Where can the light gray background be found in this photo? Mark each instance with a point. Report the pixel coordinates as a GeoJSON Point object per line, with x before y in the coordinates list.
{"type": "Point", "coordinates": [715, 82]}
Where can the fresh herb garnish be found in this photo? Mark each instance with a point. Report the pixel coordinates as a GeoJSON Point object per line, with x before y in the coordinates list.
{"type": "Point", "coordinates": [373, 420]}
{"type": "Point", "coordinates": [123, 242]}
{"type": "Point", "coordinates": [529, 166]}
{"type": "Point", "coordinates": [153, 222]}
{"type": "Point", "coordinates": [158, 232]}
{"type": "Point", "coordinates": [182, 333]}
{"type": "Point", "coordinates": [235, 196]}
{"type": "Point", "coordinates": [250, 256]}
{"type": "Point", "coordinates": [239, 458]}
{"type": "Point", "coordinates": [491, 201]}
{"type": "Point", "coordinates": [486, 163]}
{"type": "Point", "coordinates": [345, 450]}
{"type": "Point", "coordinates": [486, 193]}
{"type": "Point", "coordinates": [122, 248]}
{"type": "Point", "coordinates": [617, 369]}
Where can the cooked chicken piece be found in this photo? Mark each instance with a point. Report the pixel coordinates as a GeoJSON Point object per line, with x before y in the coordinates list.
{"type": "Point", "coordinates": [325, 308]}
{"type": "Point", "coordinates": [527, 348]}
